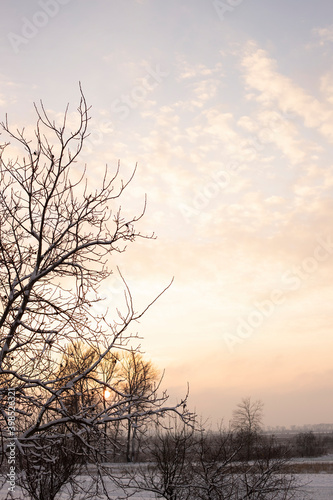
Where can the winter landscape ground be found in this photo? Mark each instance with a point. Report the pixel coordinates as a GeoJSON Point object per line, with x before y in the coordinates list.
{"type": "Point", "coordinates": [316, 485]}
{"type": "Point", "coordinates": [319, 486]}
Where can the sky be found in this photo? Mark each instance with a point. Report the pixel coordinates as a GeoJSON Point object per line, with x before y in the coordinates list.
{"type": "Point", "coordinates": [227, 107]}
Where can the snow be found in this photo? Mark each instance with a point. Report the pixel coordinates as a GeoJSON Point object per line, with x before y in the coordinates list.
{"type": "Point", "coordinates": [318, 486]}
{"type": "Point", "coordinates": [114, 492]}
{"type": "Point", "coordinates": [321, 459]}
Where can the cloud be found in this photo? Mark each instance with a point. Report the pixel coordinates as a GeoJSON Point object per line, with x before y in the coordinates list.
{"type": "Point", "coordinates": [219, 126]}
{"type": "Point", "coordinates": [272, 88]}
{"type": "Point", "coordinates": [325, 35]}
{"type": "Point", "coordinates": [269, 127]}
{"type": "Point", "coordinates": [326, 86]}
{"type": "Point", "coordinates": [188, 71]}
{"type": "Point", "coordinates": [204, 91]}
{"type": "Point", "coordinates": [199, 83]}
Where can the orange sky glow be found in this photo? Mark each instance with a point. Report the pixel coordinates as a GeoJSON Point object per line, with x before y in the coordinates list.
{"type": "Point", "coordinates": [229, 114]}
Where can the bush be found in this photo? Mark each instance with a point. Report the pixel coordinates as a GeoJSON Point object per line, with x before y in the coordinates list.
{"type": "Point", "coordinates": [308, 445]}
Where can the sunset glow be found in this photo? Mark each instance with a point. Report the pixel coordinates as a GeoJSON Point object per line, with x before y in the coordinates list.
{"type": "Point", "coordinates": [107, 394]}
{"type": "Point", "coordinates": [229, 115]}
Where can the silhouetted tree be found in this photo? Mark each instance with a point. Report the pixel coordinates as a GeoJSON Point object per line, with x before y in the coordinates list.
{"type": "Point", "coordinates": [247, 421]}
{"type": "Point", "coordinates": [56, 236]}
{"type": "Point", "coordinates": [138, 379]}
{"type": "Point", "coordinates": [308, 445]}
{"type": "Point", "coordinates": [204, 465]}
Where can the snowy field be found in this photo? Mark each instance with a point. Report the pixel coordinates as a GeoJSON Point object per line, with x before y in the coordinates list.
{"type": "Point", "coordinates": [114, 493]}
{"type": "Point", "coordinates": [316, 487]}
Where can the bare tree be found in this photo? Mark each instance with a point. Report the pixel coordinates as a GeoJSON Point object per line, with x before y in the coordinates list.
{"type": "Point", "coordinates": [55, 240]}
{"type": "Point", "coordinates": [138, 378]}
{"type": "Point", "coordinates": [57, 464]}
{"type": "Point", "coordinates": [307, 444]}
{"type": "Point", "coordinates": [170, 474]}
{"type": "Point", "coordinates": [78, 358]}
{"type": "Point", "coordinates": [131, 375]}
{"type": "Point", "coordinates": [247, 422]}
{"type": "Point", "coordinates": [204, 465]}
{"type": "Point", "coordinates": [248, 416]}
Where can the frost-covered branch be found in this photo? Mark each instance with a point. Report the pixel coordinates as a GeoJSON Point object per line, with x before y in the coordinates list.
{"type": "Point", "coordinates": [56, 238]}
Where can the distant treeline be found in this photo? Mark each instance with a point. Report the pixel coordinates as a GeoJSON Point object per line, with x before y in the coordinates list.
{"type": "Point", "coordinates": [294, 429]}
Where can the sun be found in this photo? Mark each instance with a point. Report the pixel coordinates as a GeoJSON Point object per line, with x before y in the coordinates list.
{"type": "Point", "coordinates": [107, 394]}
